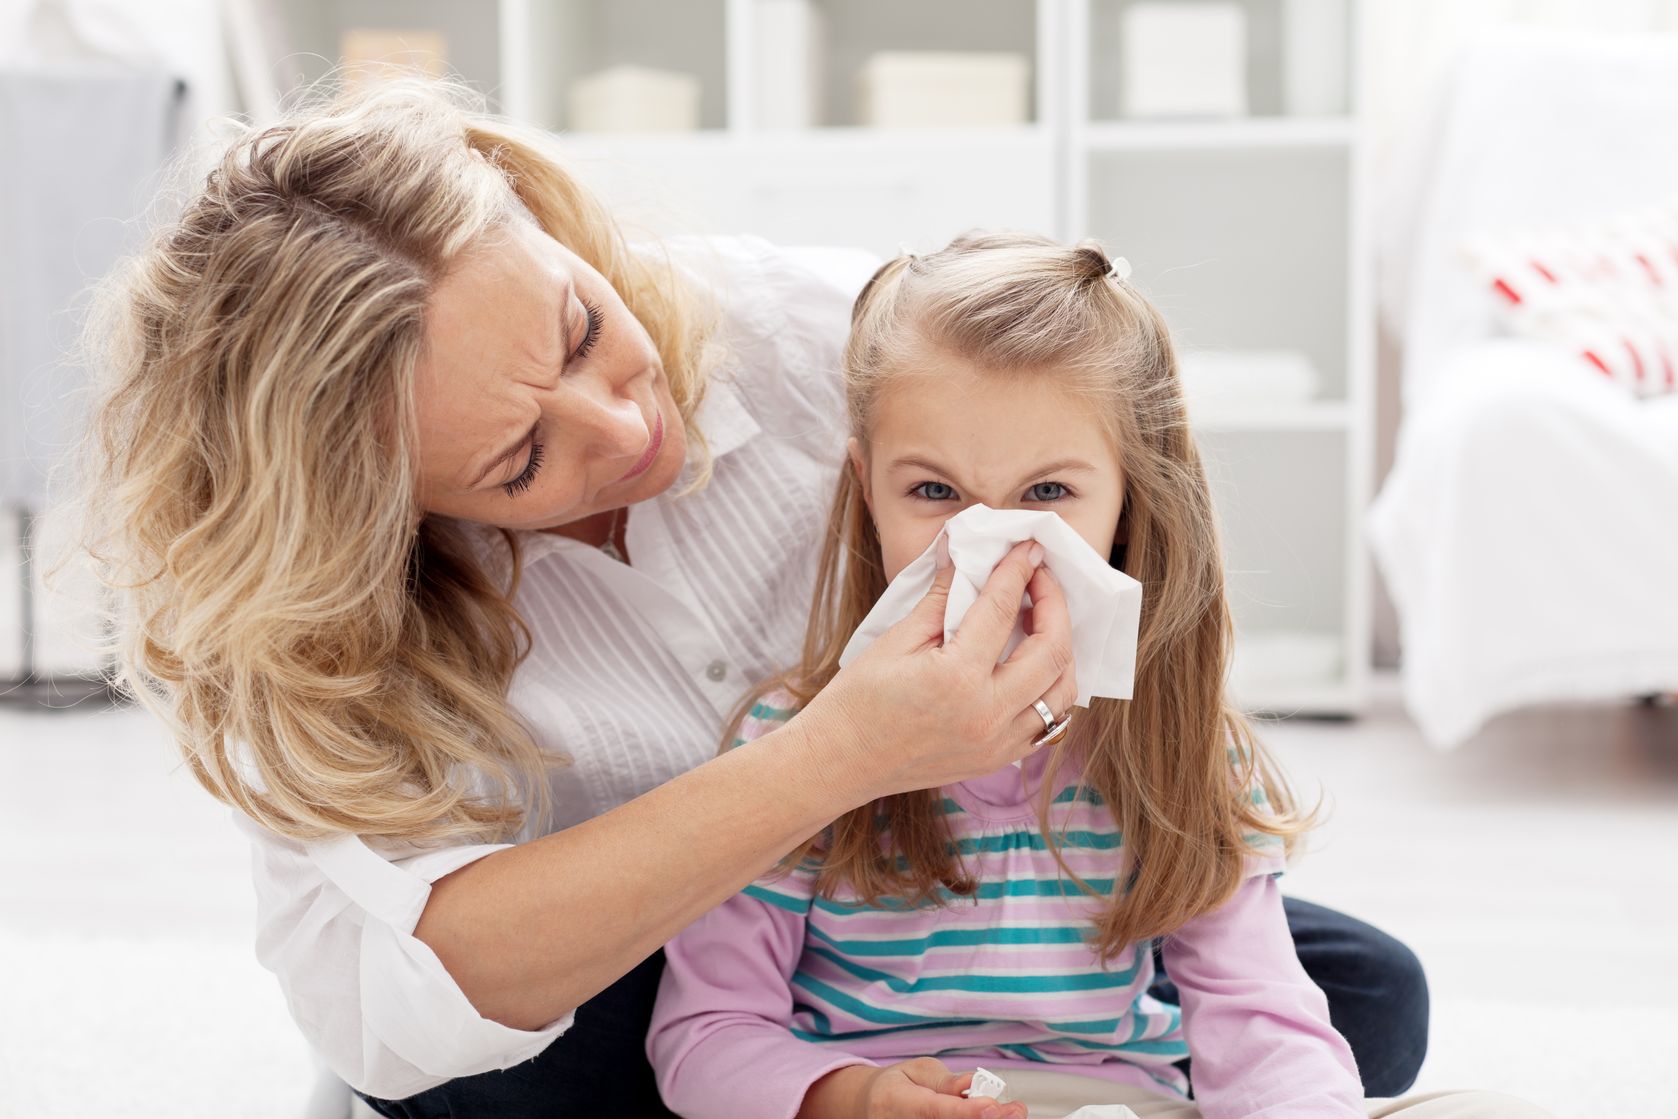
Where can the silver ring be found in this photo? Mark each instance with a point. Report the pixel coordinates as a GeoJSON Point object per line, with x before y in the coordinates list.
{"type": "Point", "coordinates": [1045, 714]}
{"type": "Point", "coordinates": [1054, 734]}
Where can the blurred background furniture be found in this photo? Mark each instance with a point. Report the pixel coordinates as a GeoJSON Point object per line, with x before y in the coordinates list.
{"type": "Point", "coordinates": [1526, 531]}
{"type": "Point", "coordinates": [1247, 227]}
{"type": "Point", "coordinates": [66, 206]}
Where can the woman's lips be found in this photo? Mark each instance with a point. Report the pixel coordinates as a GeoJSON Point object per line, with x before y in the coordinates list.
{"type": "Point", "coordinates": [651, 452]}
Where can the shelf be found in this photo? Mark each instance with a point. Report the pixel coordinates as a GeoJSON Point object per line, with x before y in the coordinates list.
{"type": "Point", "coordinates": [1310, 698]}
{"type": "Point", "coordinates": [854, 30]}
{"type": "Point", "coordinates": [1281, 501]}
{"type": "Point", "coordinates": [1247, 132]}
{"type": "Point", "coordinates": [1271, 86]}
{"type": "Point", "coordinates": [1241, 249]}
{"type": "Point", "coordinates": [1317, 683]}
{"type": "Point", "coordinates": [1310, 415]}
{"type": "Point", "coordinates": [548, 44]}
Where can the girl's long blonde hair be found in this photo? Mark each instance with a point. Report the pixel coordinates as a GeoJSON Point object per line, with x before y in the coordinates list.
{"type": "Point", "coordinates": [330, 660]}
{"type": "Point", "coordinates": [1177, 764]}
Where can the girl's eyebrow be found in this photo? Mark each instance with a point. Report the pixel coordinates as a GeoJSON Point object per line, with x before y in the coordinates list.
{"type": "Point", "coordinates": [1060, 466]}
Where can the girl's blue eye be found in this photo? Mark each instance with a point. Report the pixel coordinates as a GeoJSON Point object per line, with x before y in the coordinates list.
{"type": "Point", "coordinates": [933, 491]}
{"type": "Point", "coordinates": [1046, 491]}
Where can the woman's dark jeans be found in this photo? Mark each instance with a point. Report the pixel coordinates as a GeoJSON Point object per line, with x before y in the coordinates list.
{"type": "Point", "coordinates": [1377, 998]}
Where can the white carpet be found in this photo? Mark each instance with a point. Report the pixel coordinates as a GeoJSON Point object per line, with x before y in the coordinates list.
{"type": "Point", "coordinates": [1534, 873]}
{"type": "Point", "coordinates": [127, 1027]}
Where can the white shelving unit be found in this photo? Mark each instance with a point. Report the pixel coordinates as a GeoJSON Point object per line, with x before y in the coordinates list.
{"type": "Point", "coordinates": [1249, 233]}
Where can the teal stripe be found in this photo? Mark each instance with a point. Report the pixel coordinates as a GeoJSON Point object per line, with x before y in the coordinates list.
{"type": "Point", "coordinates": [1171, 1049]}
{"type": "Point", "coordinates": [987, 891]}
{"type": "Point", "coordinates": [770, 714]}
{"type": "Point", "coordinates": [1025, 1051]}
{"type": "Point", "coordinates": [988, 984]}
{"type": "Point", "coordinates": [1072, 794]}
{"type": "Point", "coordinates": [1069, 841]}
{"type": "Point", "coordinates": [778, 900]}
{"type": "Point", "coordinates": [824, 1032]}
{"type": "Point", "coordinates": [1032, 841]}
{"type": "Point", "coordinates": [869, 1013]}
{"type": "Point", "coordinates": [954, 938]}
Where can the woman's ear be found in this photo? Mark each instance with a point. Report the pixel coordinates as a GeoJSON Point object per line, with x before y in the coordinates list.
{"type": "Point", "coordinates": [858, 463]}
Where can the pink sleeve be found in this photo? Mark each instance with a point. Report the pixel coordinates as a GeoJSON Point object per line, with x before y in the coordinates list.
{"type": "Point", "coordinates": [1257, 1026]}
{"type": "Point", "coordinates": [720, 1041]}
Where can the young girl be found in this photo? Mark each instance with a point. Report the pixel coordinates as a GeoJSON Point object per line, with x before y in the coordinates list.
{"type": "Point", "coordinates": [1009, 922]}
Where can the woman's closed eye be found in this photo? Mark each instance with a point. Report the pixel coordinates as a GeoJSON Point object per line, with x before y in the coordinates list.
{"type": "Point", "coordinates": [591, 331]}
{"type": "Point", "coordinates": [528, 474]}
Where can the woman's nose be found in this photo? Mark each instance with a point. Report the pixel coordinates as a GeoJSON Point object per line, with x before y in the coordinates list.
{"type": "Point", "coordinates": [614, 426]}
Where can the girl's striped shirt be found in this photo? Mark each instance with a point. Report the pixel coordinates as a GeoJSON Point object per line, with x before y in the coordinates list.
{"type": "Point", "coordinates": [1005, 977]}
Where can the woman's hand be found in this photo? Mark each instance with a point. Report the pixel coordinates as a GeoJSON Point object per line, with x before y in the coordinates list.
{"type": "Point", "coordinates": [913, 712]}
{"type": "Point", "coordinates": [918, 1089]}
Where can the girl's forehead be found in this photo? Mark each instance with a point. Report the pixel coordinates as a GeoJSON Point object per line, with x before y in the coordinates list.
{"type": "Point", "coordinates": [989, 422]}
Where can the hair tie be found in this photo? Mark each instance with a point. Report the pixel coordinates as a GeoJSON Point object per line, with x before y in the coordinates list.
{"type": "Point", "coordinates": [1119, 269]}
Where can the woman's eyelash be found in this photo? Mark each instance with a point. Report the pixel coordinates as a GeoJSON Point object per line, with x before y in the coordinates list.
{"type": "Point", "coordinates": [528, 474]}
{"type": "Point", "coordinates": [591, 333]}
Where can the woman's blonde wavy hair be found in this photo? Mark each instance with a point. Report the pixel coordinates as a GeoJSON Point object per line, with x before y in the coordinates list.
{"type": "Point", "coordinates": [330, 660]}
{"type": "Point", "coordinates": [1177, 764]}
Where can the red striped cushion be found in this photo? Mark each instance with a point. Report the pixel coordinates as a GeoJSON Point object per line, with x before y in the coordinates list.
{"type": "Point", "coordinates": [1606, 290]}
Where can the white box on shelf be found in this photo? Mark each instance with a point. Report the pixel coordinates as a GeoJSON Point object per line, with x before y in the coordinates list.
{"type": "Point", "coordinates": [789, 64]}
{"type": "Point", "coordinates": [934, 89]}
{"type": "Point", "coordinates": [635, 99]}
{"type": "Point", "coordinates": [1186, 58]}
{"type": "Point", "coordinates": [1314, 44]}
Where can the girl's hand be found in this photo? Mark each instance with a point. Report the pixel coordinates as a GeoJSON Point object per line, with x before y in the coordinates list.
{"type": "Point", "coordinates": [918, 1089]}
{"type": "Point", "coordinates": [915, 713]}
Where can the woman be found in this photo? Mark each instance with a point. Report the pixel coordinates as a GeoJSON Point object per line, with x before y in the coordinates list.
{"type": "Point", "coordinates": [449, 531]}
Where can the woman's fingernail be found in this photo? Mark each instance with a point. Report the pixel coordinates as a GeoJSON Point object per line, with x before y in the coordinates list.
{"type": "Point", "coordinates": [941, 554]}
{"type": "Point", "coordinates": [1036, 554]}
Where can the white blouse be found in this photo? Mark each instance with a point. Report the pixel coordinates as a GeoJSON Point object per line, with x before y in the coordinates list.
{"type": "Point", "coordinates": [633, 671]}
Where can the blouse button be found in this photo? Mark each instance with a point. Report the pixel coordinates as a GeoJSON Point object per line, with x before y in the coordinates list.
{"type": "Point", "coordinates": [716, 670]}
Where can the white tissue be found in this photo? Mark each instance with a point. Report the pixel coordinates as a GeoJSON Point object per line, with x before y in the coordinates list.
{"type": "Point", "coordinates": [986, 1083]}
{"type": "Point", "coordinates": [1105, 604]}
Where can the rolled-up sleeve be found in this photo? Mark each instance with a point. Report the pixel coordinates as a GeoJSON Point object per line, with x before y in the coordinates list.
{"type": "Point", "coordinates": [335, 924]}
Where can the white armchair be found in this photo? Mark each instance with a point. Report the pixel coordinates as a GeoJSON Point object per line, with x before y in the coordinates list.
{"type": "Point", "coordinates": [1528, 531]}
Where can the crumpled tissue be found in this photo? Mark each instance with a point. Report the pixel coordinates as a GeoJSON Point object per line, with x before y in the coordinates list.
{"type": "Point", "coordinates": [1104, 603]}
